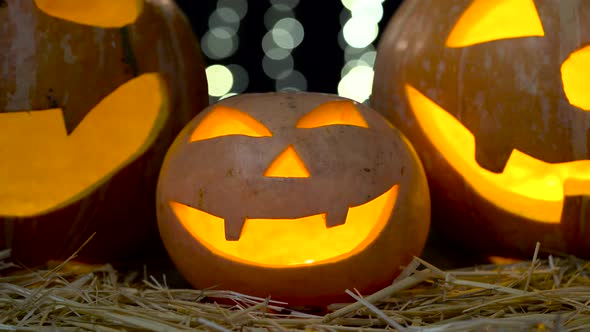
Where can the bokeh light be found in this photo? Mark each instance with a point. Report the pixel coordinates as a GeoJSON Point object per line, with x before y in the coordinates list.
{"type": "Point", "coordinates": [360, 32]}
{"type": "Point", "coordinates": [281, 59]}
{"type": "Point", "coordinates": [239, 6]}
{"type": "Point", "coordinates": [285, 33]}
{"type": "Point", "coordinates": [227, 95]}
{"type": "Point", "coordinates": [220, 80]}
{"type": "Point", "coordinates": [293, 81]}
{"type": "Point", "coordinates": [226, 17]}
{"type": "Point", "coordinates": [286, 3]}
{"type": "Point", "coordinates": [277, 68]}
{"type": "Point", "coordinates": [359, 20]}
{"type": "Point", "coordinates": [357, 83]}
{"type": "Point", "coordinates": [240, 76]}
{"type": "Point", "coordinates": [274, 13]}
{"type": "Point", "coordinates": [371, 10]}
{"type": "Point", "coordinates": [272, 50]}
{"type": "Point", "coordinates": [220, 42]}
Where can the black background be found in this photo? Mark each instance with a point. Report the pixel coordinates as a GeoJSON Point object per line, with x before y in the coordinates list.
{"type": "Point", "coordinates": [319, 57]}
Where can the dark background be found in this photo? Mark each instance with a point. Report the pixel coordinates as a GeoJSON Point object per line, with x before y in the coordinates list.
{"type": "Point", "coordinates": [319, 57]}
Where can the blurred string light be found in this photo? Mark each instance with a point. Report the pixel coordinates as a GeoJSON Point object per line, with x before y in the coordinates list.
{"type": "Point", "coordinates": [221, 41]}
{"type": "Point", "coordinates": [284, 34]}
{"type": "Point", "coordinates": [359, 20]}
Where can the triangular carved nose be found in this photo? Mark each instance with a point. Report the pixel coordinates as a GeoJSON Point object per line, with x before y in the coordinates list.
{"type": "Point", "coordinates": [287, 165]}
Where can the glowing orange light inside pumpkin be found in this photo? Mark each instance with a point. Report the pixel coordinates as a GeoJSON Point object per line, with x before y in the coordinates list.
{"type": "Point", "coordinates": [528, 187]}
{"type": "Point", "coordinates": [486, 20]}
{"type": "Point", "coordinates": [224, 121]}
{"type": "Point", "coordinates": [575, 74]}
{"type": "Point", "coordinates": [287, 165]}
{"type": "Point", "coordinates": [99, 13]}
{"type": "Point", "coordinates": [333, 113]}
{"type": "Point", "coordinates": [48, 168]}
{"type": "Point", "coordinates": [301, 241]}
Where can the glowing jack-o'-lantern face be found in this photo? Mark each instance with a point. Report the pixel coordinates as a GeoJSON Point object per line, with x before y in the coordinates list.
{"type": "Point", "coordinates": [76, 163]}
{"type": "Point", "coordinates": [288, 182]}
{"type": "Point", "coordinates": [496, 91]}
{"type": "Point", "coordinates": [77, 108]}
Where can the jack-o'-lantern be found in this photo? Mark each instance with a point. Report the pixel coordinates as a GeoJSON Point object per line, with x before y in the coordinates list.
{"type": "Point", "coordinates": [293, 195]}
{"type": "Point", "coordinates": [494, 95]}
{"type": "Point", "coordinates": [92, 93]}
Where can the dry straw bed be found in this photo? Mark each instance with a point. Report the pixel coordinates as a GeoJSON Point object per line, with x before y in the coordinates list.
{"type": "Point", "coordinates": [538, 295]}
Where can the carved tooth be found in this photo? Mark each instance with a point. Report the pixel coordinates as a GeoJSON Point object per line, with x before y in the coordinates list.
{"type": "Point", "coordinates": [336, 216]}
{"type": "Point", "coordinates": [233, 228]}
{"type": "Point", "coordinates": [490, 155]}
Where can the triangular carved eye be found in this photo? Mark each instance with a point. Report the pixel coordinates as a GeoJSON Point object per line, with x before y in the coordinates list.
{"type": "Point", "coordinates": [486, 20]}
{"type": "Point", "coordinates": [97, 13]}
{"type": "Point", "coordinates": [333, 113]}
{"type": "Point", "coordinates": [225, 121]}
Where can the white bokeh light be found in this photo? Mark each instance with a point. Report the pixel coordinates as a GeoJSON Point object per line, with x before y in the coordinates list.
{"type": "Point", "coordinates": [239, 6]}
{"type": "Point", "coordinates": [357, 83]}
{"type": "Point", "coordinates": [284, 34]}
{"type": "Point", "coordinates": [360, 31]}
{"type": "Point", "coordinates": [287, 33]}
{"type": "Point", "coordinates": [286, 3]}
{"type": "Point", "coordinates": [359, 20]}
{"type": "Point", "coordinates": [271, 49]}
{"type": "Point", "coordinates": [371, 10]}
{"type": "Point", "coordinates": [219, 79]}
{"type": "Point", "coordinates": [224, 17]}
{"type": "Point", "coordinates": [353, 64]}
{"type": "Point", "coordinates": [369, 57]}
{"type": "Point", "coordinates": [274, 14]}
{"type": "Point", "coordinates": [228, 15]}
{"type": "Point", "coordinates": [277, 68]}
{"type": "Point", "coordinates": [240, 76]}
{"type": "Point", "coordinates": [349, 3]}
{"type": "Point", "coordinates": [294, 81]}
{"type": "Point", "coordinates": [227, 95]}
{"type": "Point", "coordinates": [219, 43]}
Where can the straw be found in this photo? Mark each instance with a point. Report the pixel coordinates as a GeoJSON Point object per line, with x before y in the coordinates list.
{"type": "Point", "coordinates": [539, 295]}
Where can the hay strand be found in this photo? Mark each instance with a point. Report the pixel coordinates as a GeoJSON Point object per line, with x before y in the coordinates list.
{"type": "Point", "coordinates": [539, 295]}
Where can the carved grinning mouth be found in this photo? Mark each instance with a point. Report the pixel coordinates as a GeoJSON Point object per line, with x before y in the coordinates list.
{"type": "Point", "coordinates": [291, 242]}
{"type": "Point", "coordinates": [527, 186]}
{"type": "Point", "coordinates": [43, 168]}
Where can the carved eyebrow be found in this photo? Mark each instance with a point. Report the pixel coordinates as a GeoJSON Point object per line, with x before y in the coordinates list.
{"type": "Point", "coordinates": [226, 121]}
{"type": "Point", "coordinates": [485, 21]}
{"type": "Point", "coordinates": [97, 13]}
{"type": "Point", "coordinates": [339, 112]}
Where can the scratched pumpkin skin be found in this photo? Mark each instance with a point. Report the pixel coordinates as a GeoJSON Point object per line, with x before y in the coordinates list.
{"type": "Point", "coordinates": [294, 195]}
{"type": "Point", "coordinates": [92, 93]}
{"type": "Point", "coordinates": [494, 97]}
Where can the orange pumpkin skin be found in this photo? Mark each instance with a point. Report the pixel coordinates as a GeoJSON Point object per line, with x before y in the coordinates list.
{"type": "Point", "coordinates": [348, 166]}
{"type": "Point", "coordinates": [511, 89]}
{"type": "Point", "coordinates": [48, 63]}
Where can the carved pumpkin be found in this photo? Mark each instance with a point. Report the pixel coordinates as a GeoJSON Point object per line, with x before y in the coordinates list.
{"type": "Point", "coordinates": [294, 195]}
{"type": "Point", "coordinates": [92, 93]}
{"type": "Point", "coordinates": [494, 96]}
